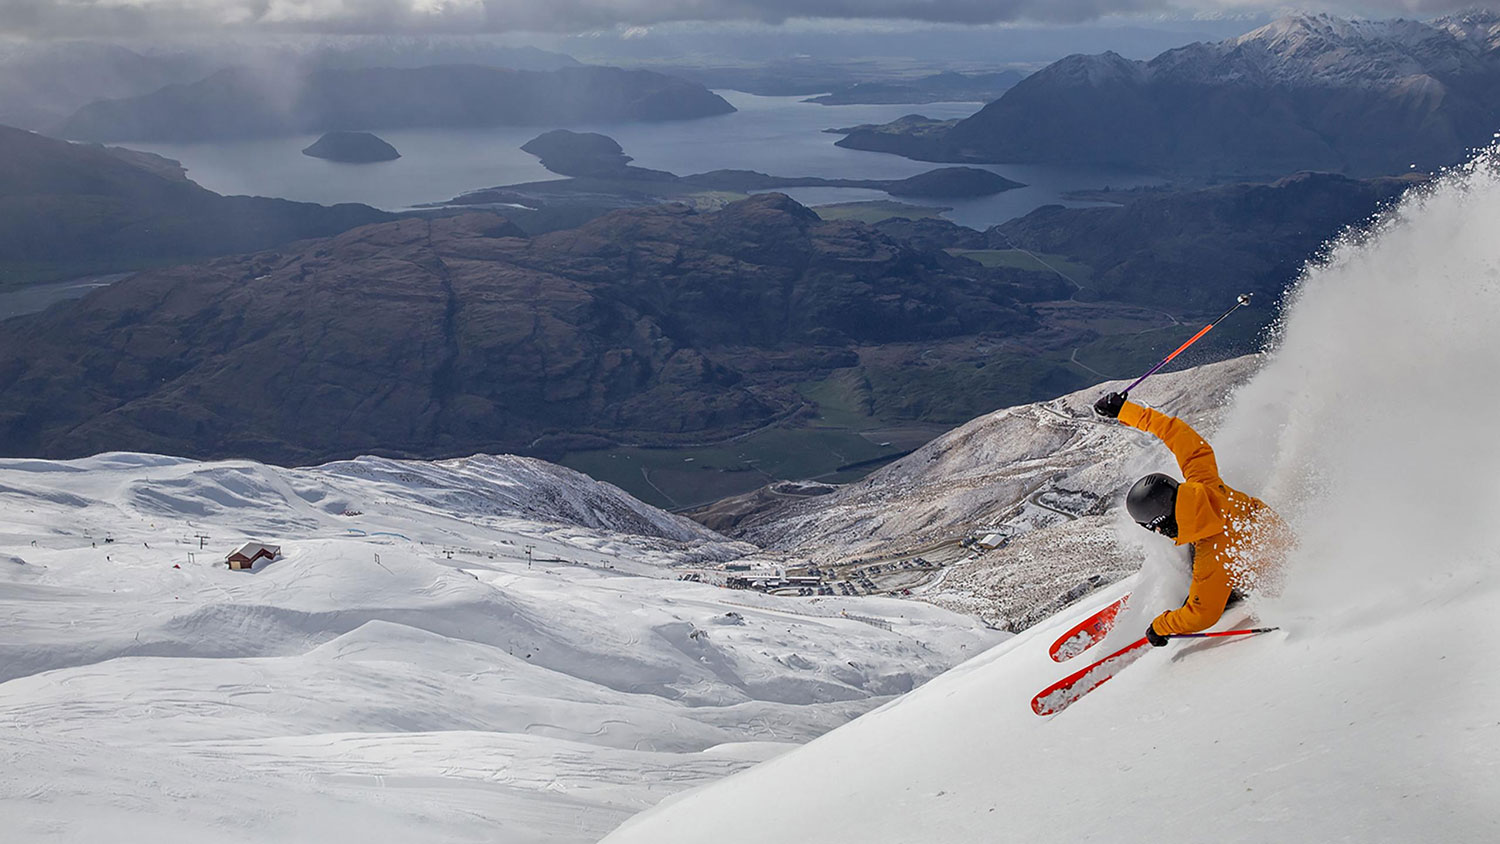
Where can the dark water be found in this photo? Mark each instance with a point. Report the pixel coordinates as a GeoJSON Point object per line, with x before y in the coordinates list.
{"type": "Point", "coordinates": [778, 135]}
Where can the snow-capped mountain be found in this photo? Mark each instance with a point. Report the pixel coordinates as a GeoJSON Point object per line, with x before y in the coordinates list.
{"type": "Point", "coordinates": [1307, 50]}
{"type": "Point", "coordinates": [1305, 92]}
{"type": "Point", "coordinates": [1323, 50]}
{"type": "Point", "coordinates": [476, 649]}
{"type": "Point", "coordinates": [1368, 716]}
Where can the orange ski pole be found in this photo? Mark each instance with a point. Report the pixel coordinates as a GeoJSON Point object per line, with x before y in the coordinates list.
{"type": "Point", "coordinates": [1242, 301]}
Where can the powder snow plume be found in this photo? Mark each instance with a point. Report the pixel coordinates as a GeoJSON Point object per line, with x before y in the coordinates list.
{"type": "Point", "coordinates": [1373, 424]}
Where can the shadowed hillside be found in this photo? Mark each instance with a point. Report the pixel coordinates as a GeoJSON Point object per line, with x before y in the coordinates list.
{"type": "Point", "coordinates": [71, 209]}
{"type": "Point", "coordinates": [460, 335]}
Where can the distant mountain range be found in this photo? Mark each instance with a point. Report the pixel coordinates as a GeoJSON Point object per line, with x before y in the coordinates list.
{"type": "Point", "coordinates": [42, 83]}
{"type": "Point", "coordinates": [653, 325]}
{"type": "Point", "coordinates": [1304, 92]}
{"type": "Point", "coordinates": [239, 103]}
{"type": "Point", "coordinates": [71, 209]}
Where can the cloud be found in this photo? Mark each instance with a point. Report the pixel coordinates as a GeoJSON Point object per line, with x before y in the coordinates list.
{"type": "Point", "coordinates": [49, 18]}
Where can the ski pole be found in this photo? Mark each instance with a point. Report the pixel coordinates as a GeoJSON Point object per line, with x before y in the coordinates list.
{"type": "Point", "coordinates": [1242, 301]}
{"type": "Point", "coordinates": [1249, 631]}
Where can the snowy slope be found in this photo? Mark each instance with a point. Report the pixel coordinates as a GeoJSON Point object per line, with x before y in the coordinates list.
{"type": "Point", "coordinates": [403, 672]}
{"type": "Point", "coordinates": [1303, 50]}
{"type": "Point", "coordinates": [523, 488]}
{"type": "Point", "coordinates": [982, 472]}
{"type": "Point", "coordinates": [1370, 717]}
{"type": "Point", "coordinates": [1042, 474]}
{"type": "Point", "coordinates": [1377, 731]}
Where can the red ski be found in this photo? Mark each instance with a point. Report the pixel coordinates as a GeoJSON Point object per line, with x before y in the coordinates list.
{"type": "Point", "coordinates": [1089, 632]}
{"type": "Point", "coordinates": [1065, 692]}
{"type": "Point", "coordinates": [1062, 694]}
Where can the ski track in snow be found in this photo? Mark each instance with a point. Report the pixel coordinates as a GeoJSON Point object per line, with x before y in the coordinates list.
{"type": "Point", "coordinates": [401, 672]}
{"type": "Point", "coordinates": [1369, 717]}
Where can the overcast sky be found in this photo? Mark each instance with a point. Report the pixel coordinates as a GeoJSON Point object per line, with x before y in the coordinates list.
{"type": "Point", "coordinates": [65, 18]}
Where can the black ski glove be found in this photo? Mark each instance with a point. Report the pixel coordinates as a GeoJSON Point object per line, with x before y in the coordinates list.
{"type": "Point", "coordinates": [1155, 638]}
{"type": "Point", "coordinates": [1109, 405]}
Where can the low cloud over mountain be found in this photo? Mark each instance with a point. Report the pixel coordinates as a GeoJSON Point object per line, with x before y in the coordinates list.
{"type": "Point", "coordinates": [105, 17]}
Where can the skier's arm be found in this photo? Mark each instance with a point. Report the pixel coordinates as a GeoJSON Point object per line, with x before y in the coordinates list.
{"type": "Point", "coordinates": [1192, 451]}
{"type": "Point", "coordinates": [1207, 596]}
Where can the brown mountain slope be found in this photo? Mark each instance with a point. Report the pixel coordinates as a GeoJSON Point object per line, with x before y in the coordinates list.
{"type": "Point", "coordinates": [458, 335]}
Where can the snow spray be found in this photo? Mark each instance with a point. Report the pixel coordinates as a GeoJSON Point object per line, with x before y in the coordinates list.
{"type": "Point", "coordinates": [1373, 424]}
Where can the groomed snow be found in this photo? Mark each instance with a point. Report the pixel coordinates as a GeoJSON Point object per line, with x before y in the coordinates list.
{"type": "Point", "coordinates": [1370, 717]}
{"type": "Point", "coordinates": [402, 672]}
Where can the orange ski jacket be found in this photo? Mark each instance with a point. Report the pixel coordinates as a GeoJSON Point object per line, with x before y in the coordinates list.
{"type": "Point", "coordinates": [1236, 538]}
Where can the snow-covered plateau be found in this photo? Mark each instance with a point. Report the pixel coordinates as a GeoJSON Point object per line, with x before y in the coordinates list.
{"type": "Point", "coordinates": [488, 649]}
{"type": "Point", "coordinates": [1369, 716]}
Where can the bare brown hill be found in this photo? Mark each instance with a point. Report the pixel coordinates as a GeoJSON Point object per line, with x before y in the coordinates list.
{"type": "Point", "coordinates": [458, 335]}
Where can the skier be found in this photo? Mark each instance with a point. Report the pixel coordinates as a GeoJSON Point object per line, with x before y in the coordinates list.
{"type": "Point", "coordinates": [1235, 537]}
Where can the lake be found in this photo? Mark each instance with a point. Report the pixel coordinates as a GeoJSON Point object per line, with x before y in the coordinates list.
{"type": "Point", "coordinates": [39, 297]}
{"type": "Point", "coordinates": [782, 136]}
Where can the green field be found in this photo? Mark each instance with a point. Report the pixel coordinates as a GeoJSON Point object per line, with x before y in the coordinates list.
{"type": "Point", "coordinates": [866, 415]}
{"type": "Point", "coordinates": [675, 478]}
{"type": "Point", "coordinates": [895, 401]}
{"type": "Point", "coordinates": [1128, 355]}
{"type": "Point", "coordinates": [876, 210]}
{"type": "Point", "coordinates": [955, 392]}
{"type": "Point", "coordinates": [844, 432]}
{"type": "Point", "coordinates": [1021, 260]}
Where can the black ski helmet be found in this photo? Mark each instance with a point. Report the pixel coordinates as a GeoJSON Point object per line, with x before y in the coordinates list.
{"type": "Point", "coordinates": [1152, 502]}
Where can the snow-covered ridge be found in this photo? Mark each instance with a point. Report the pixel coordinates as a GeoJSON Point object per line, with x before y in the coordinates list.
{"type": "Point", "coordinates": [523, 488]}
{"type": "Point", "coordinates": [1312, 50]}
{"type": "Point", "coordinates": [1045, 476]}
{"type": "Point", "coordinates": [982, 472]}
